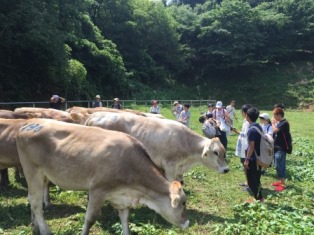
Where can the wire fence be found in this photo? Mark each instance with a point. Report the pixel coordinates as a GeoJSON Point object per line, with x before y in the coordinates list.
{"type": "Point", "coordinates": [129, 104]}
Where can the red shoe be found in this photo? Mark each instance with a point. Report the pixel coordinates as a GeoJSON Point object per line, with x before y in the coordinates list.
{"type": "Point", "coordinates": [278, 183]}
{"type": "Point", "coordinates": [280, 188]}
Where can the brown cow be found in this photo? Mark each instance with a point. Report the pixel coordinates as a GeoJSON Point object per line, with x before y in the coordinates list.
{"type": "Point", "coordinates": [173, 147]}
{"type": "Point", "coordinates": [4, 176]}
{"type": "Point", "coordinates": [81, 114]}
{"type": "Point", "coordinates": [110, 165]}
{"type": "Point", "coordinates": [45, 113]}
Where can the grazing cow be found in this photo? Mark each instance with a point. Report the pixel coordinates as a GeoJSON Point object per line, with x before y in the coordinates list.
{"type": "Point", "coordinates": [80, 114]}
{"type": "Point", "coordinates": [110, 165]}
{"type": "Point", "coordinates": [45, 113]}
{"type": "Point", "coordinates": [173, 147]}
{"type": "Point", "coordinates": [4, 176]}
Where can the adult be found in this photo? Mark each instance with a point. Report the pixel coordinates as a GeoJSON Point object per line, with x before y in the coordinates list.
{"type": "Point", "coordinates": [97, 102]}
{"type": "Point", "coordinates": [221, 115]}
{"type": "Point", "coordinates": [185, 115]}
{"type": "Point", "coordinates": [56, 101]}
{"type": "Point", "coordinates": [242, 143]}
{"type": "Point", "coordinates": [116, 104]}
{"type": "Point", "coordinates": [177, 109]}
{"type": "Point", "coordinates": [281, 130]}
{"type": "Point", "coordinates": [253, 170]}
{"type": "Point", "coordinates": [155, 109]}
{"type": "Point", "coordinates": [231, 111]}
{"type": "Point", "coordinates": [266, 123]}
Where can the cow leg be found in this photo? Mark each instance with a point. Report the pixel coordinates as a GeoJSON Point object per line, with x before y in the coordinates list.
{"type": "Point", "coordinates": [95, 202]}
{"type": "Point", "coordinates": [35, 181]}
{"type": "Point", "coordinates": [46, 193]}
{"type": "Point", "coordinates": [4, 179]}
{"type": "Point", "coordinates": [124, 218]}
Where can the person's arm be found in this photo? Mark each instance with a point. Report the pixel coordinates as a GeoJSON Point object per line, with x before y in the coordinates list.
{"type": "Point", "coordinates": [273, 126]}
{"type": "Point", "coordinates": [62, 99]}
{"type": "Point", "coordinates": [249, 154]}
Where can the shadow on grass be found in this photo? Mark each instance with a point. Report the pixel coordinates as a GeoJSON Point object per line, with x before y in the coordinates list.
{"type": "Point", "coordinates": [13, 192]}
{"type": "Point", "coordinates": [109, 217]}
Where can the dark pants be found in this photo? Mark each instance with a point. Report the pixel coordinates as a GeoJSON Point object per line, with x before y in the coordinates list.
{"type": "Point", "coordinates": [254, 179]}
{"type": "Point", "coordinates": [223, 139]}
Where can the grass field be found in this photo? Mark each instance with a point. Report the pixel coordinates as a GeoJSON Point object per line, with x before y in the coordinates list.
{"type": "Point", "coordinates": [215, 202]}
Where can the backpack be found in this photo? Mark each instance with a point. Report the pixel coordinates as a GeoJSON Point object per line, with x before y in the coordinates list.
{"type": "Point", "coordinates": [266, 149]}
{"type": "Point", "coordinates": [209, 130]}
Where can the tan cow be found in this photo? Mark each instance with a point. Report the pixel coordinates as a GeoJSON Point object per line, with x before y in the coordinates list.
{"type": "Point", "coordinates": [110, 165]}
{"type": "Point", "coordinates": [4, 176]}
{"type": "Point", "coordinates": [81, 114]}
{"type": "Point", "coordinates": [173, 147]}
{"type": "Point", "coordinates": [45, 113]}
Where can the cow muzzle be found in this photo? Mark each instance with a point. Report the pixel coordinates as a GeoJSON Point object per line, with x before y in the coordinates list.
{"type": "Point", "coordinates": [185, 224]}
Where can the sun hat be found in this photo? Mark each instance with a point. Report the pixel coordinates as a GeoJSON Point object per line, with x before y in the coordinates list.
{"type": "Point", "coordinates": [265, 116]}
{"type": "Point", "coordinates": [116, 99]}
{"type": "Point", "coordinates": [176, 102]}
{"type": "Point", "coordinates": [219, 104]}
{"type": "Point", "coordinates": [97, 96]}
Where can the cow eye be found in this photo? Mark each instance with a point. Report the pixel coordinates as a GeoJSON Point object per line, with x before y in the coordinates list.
{"type": "Point", "coordinates": [216, 153]}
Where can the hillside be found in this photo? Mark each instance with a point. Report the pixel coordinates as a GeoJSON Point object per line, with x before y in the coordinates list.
{"type": "Point", "coordinates": [290, 83]}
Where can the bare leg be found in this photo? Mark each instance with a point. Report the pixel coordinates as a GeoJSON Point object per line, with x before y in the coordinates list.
{"type": "Point", "coordinates": [124, 218]}
{"type": "Point", "coordinates": [95, 202]}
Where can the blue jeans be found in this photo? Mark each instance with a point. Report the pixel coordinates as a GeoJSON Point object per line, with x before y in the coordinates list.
{"type": "Point", "coordinates": [280, 162]}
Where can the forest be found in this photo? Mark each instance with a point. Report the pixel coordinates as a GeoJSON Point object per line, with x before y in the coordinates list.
{"type": "Point", "coordinates": [144, 49]}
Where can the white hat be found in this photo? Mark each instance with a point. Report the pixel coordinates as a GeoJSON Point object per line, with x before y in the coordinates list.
{"type": "Point", "coordinates": [97, 96]}
{"type": "Point", "coordinates": [219, 104]}
{"type": "Point", "coordinates": [265, 116]}
{"type": "Point", "coordinates": [116, 99]}
{"type": "Point", "coordinates": [176, 102]}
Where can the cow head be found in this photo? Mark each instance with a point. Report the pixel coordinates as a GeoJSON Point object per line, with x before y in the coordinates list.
{"type": "Point", "coordinates": [213, 155]}
{"type": "Point", "coordinates": [174, 208]}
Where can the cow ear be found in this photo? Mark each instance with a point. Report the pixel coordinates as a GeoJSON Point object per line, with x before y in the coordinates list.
{"type": "Point", "coordinates": [205, 151]}
{"type": "Point", "coordinates": [175, 189]}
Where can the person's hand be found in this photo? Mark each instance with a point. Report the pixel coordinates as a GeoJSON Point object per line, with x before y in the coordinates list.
{"type": "Point", "coordinates": [246, 164]}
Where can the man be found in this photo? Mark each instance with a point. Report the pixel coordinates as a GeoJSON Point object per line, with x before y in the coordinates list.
{"type": "Point", "coordinates": [253, 171]}
{"type": "Point", "coordinates": [56, 101]}
{"type": "Point", "coordinates": [231, 111]}
{"type": "Point", "coordinates": [97, 102]}
{"type": "Point", "coordinates": [281, 130]}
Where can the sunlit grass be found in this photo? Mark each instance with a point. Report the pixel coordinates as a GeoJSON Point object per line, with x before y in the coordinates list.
{"type": "Point", "coordinates": [215, 202]}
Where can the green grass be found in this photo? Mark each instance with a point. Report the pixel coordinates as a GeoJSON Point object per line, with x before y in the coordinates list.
{"type": "Point", "coordinates": [215, 202]}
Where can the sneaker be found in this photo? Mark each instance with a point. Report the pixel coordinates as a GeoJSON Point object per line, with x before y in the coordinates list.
{"type": "Point", "coordinates": [243, 185]}
{"type": "Point", "coordinates": [278, 183]}
{"type": "Point", "coordinates": [250, 200]}
{"type": "Point", "coordinates": [280, 188]}
{"type": "Point", "coordinates": [246, 189]}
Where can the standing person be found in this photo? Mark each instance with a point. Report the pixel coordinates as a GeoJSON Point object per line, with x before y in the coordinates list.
{"type": "Point", "coordinates": [97, 102]}
{"type": "Point", "coordinates": [56, 101]}
{"type": "Point", "coordinates": [185, 115]}
{"type": "Point", "coordinates": [242, 143]}
{"type": "Point", "coordinates": [281, 130]}
{"type": "Point", "coordinates": [209, 113]}
{"type": "Point", "coordinates": [231, 111]}
{"type": "Point", "coordinates": [155, 109]}
{"type": "Point", "coordinates": [220, 114]}
{"type": "Point", "coordinates": [253, 170]}
{"type": "Point", "coordinates": [266, 123]}
{"type": "Point", "coordinates": [116, 104]}
{"type": "Point", "coordinates": [177, 109]}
